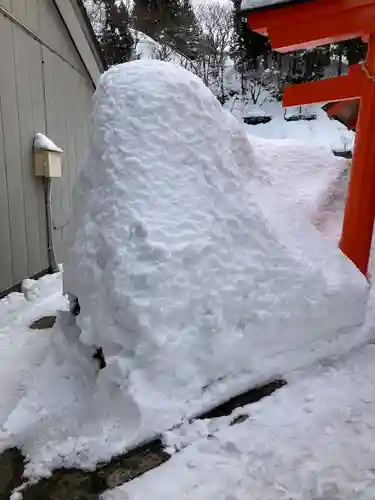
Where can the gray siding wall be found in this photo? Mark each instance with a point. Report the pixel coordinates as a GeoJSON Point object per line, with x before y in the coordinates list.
{"type": "Point", "coordinates": [40, 91]}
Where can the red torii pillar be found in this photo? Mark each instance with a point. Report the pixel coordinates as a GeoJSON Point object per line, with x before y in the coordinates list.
{"type": "Point", "coordinates": [298, 25]}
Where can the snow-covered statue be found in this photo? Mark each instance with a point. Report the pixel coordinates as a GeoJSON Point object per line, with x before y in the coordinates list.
{"type": "Point", "coordinates": [192, 276]}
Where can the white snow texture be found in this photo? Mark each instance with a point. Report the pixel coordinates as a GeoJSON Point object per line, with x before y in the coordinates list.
{"type": "Point", "coordinates": [43, 142]}
{"type": "Point", "coordinates": [192, 274]}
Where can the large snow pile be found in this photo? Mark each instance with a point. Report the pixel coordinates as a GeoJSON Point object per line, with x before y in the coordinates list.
{"type": "Point", "coordinates": [192, 275]}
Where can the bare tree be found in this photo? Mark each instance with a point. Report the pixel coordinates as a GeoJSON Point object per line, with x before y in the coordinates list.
{"type": "Point", "coordinates": [215, 20]}
{"type": "Point", "coordinates": [163, 52]}
{"type": "Point", "coordinates": [96, 12]}
{"type": "Point", "coordinates": [254, 84]}
{"type": "Point", "coordinates": [212, 38]}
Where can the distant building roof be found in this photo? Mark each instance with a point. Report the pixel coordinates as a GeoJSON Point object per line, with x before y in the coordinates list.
{"type": "Point", "coordinates": [250, 5]}
{"type": "Point", "coordinates": [78, 24]}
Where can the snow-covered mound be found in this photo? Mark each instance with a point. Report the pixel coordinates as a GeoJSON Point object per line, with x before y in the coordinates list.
{"type": "Point", "coordinates": [192, 274]}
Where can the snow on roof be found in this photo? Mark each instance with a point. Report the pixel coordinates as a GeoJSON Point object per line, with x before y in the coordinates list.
{"type": "Point", "coordinates": [260, 4]}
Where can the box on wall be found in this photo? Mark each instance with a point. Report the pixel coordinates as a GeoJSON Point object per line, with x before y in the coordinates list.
{"type": "Point", "coordinates": [47, 163]}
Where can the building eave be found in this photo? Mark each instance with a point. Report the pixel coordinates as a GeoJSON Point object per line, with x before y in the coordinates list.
{"type": "Point", "coordinates": [77, 22]}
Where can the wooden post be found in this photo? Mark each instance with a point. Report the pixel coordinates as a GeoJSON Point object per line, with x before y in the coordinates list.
{"type": "Point", "coordinates": [360, 207]}
{"type": "Point", "coordinates": [340, 88]}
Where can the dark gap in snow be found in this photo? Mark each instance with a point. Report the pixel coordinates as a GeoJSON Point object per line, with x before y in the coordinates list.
{"type": "Point", "coordinates": [124, 468]}
{"type": "Point", "coordinates": [79, 484]}
{"type": "Point", "coordinates": [246, 398]}
{"type": "Point", "coordinates": [304, 117]}
{"type": "Point", "coordinates": [69, 484]}
{"type": "Point", "coordinates": [44, 323]}
{"type": "Point", "coordinates": [256, 120]}
{"type": "Point", "coordinates": [11, 470]}
{"type": "Point", "coordinates": [343, 154]}
{"type": "Point", "coordinates": [239, 419]}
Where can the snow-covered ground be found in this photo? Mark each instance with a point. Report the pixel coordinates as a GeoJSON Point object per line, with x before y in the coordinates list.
{"type": "Point", "coordinates": [205, 261]}
{"type": "Point", "coordinates": [312, 440]}
{"type": "Point", "coordinates": [22, 350]}
{"type": "Point", "coordinates": [321, 132]}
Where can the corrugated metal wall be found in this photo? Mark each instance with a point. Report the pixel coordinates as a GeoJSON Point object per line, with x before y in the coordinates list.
{"type": "Point", "coordinates": [40, 91]}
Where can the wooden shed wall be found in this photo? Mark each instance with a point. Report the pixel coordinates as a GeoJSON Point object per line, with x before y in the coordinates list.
{"type": "Point", "coordinates": [41, 90]}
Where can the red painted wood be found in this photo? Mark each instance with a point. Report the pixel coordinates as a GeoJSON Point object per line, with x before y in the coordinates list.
{"type": "Point", "coordinates": [345, 111]}
{"type": "Point", "coordinates": [323, 30]}
{"type": "Point", "coordinates": [352, 124]}
{"type": "Point", "coordinates": [294, 15]}
{"type": "Point", "coordinates": [340, 88]}
{"type": "Point", "coordinates": [360, 207]}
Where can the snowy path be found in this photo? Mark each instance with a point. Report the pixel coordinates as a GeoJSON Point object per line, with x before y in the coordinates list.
{"type": "Point", "coordinates": [23, 349]}
{"type": "Point", "coordinates": [312, 440]}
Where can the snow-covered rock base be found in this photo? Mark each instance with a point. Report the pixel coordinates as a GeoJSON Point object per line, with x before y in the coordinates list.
{"type": "Point", "coordinates": [192, 273]}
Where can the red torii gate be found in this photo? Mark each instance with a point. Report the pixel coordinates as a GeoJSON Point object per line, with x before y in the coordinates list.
{"type": "Point", "coordinates": [299, 24]}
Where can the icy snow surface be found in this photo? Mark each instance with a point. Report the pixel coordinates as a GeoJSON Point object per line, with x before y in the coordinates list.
{"type": "Point", "coordinates": [42, 142]}
{"type": "Point", "coordinates": [193, 274]}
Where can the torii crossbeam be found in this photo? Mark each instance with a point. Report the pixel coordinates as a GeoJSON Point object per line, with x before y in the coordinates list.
{"type": "Point", "coordinates": [299, 24]}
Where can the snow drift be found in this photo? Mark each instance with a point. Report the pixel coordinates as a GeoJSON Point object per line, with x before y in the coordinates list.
{"type": "Point", "coordinates": [308, 178]}
{"type": "Point", "coordinates": [192, 274]}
